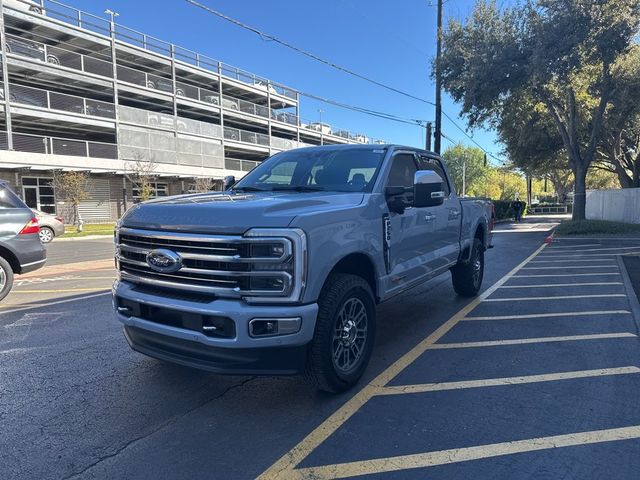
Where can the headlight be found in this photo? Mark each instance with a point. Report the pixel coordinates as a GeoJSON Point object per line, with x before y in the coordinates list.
{"type": "Point", "coordinates": [288, 245]}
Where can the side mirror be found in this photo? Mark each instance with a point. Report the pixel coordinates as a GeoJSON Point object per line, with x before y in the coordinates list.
{"type": "Point", "coordinates": [428, 189]}
{"type": "Point", "coordinates": [228, 181]}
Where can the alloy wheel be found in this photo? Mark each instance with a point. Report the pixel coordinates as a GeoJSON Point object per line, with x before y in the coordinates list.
{"type": "Point", "coordinates": [350, 335]}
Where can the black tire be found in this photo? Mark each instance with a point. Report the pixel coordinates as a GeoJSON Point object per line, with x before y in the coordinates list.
{"type": "Point", "coordinates": [341, 292]}
{"type": "Point", "coordinates": [467, 276]}
{"type": "Point", "coordinates": [180, 92]}
{"type": "Point", "coordinates": [6, 278]}
{"type": "Point", "coordinates": [53, 60]}
{"type": "Point", "coordinates": [46, 234]}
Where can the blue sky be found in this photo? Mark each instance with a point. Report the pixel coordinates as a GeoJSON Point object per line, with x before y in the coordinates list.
{"type": "Point", "coordinates": [392, 42]}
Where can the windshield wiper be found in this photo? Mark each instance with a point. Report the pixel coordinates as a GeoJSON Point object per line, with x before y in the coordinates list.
{"type": "Point", "coordinates": [298, 188]}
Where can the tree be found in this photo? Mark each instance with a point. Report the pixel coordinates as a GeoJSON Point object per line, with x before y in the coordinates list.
{"type": "Point", "coordinates": [205, 184]}
{"type": "Point", "coordinates": [619, 149]}
{"type": "Point", "coordinates": [141, 173]}
{"type": "Point", "coordinates": [476, 172]}
{"type": "Point", "coordinates": [72, 187]}
{"type": "Point", "coordinates": [559, 53]}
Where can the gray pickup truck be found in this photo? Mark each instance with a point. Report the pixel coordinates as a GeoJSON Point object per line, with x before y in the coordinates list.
{"type": "Point", "coordinates": [281, 273]}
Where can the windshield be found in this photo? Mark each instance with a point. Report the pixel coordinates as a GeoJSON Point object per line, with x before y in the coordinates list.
{"type": "Point", "coordinates": [327, 169]}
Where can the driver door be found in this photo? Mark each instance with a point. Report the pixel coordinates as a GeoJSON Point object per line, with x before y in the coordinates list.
{"type": "Point", "coordinates": [407, 238]}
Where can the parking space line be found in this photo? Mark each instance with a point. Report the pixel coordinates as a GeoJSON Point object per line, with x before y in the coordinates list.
{"type": "Point", "coordinates": [566, 261]}
{"type": "Point", "coordinates": [524, 341]}
{"type": "Point", "coordinates": [551, 250]}
{"type": "Point", "coordinates": [565, 267]}
{"type": "Point", "coordinates": [457, 455]}
{"type": "Point", "coordinates": [20, 308]}
{"type": "Point", "coordinates": [284, 468]}
{"type": "Point", "coordinates": [549, 285]}
{"type": "Point", "coordinates": [64, 290]}
{"type": "Point", "coordinates": [559, 297]}
{"type": "Point", "coordinates": [590, 255]}
{"type": "Point", "coordinates": [565, 275]}
{"type": "Point", "coordinates": [495, 382]}
{"type": "Point", "coordinates": [550, 315]}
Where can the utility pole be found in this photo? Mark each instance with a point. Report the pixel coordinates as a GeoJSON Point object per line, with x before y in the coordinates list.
{"type": "Point", "coordinates": [438, 138]}
{"type": "Point", "coordinates": [464, 175]}
{"type": "Point", "coordinates": [428, 139]}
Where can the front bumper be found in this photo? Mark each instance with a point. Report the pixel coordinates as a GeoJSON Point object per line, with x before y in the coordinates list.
{"type": "Point", "coordinates": [242, 354]}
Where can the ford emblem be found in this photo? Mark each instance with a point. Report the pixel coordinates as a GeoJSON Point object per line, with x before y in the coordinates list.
{"type": "Point", "coordinates": [164, 261]}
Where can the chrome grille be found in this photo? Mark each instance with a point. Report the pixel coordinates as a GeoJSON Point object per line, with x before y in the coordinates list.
{"type": "Point", "coordinates": [229, 266]}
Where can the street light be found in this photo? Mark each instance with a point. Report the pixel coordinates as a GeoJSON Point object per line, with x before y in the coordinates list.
{"type": "Point", "coordinates": [112, 14]}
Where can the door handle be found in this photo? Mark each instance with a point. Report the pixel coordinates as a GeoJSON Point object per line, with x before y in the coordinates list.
{"type": "Point", "coordinates": [455, 213]}
{"type": "Point", "coordinates": [428, 217]}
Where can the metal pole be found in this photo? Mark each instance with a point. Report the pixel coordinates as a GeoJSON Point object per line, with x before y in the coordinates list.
{"type": "Point", "coordinates": [114, 68]}
{"type": "Point", "coordinates": [5, 79]}
{"type": "Point", "coordinates": [464, 175]}
{"type": "Point", "coordinates": [438, 139]}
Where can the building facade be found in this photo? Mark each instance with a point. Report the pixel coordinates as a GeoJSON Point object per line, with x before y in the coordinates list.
{"type": "Point", "coordinates": [82, 93]}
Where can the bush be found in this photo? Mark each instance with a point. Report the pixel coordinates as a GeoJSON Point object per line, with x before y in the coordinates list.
{"type": "Point", "coordinates": [504, 210]}
{"type": "Point", "coordinates": [596, 227]}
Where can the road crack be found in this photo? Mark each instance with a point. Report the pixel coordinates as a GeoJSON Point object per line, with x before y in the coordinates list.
{"type": "Point", "coordinates": [160, 427]}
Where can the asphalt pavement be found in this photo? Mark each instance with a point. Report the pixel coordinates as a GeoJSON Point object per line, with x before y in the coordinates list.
{"type": "Point", "coordinates": [536, 378]}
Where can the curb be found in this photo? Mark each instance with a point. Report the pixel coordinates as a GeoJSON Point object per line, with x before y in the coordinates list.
{"type": "Point", "coordinates": [68, 268]}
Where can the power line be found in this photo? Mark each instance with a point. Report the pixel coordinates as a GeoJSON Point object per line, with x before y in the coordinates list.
{"type": "Point", "coordinates": [313, 56]}
{"type": "Point", "coordinates": [266, 36]}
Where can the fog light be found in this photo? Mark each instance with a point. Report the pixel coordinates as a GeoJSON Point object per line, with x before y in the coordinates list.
{"type": "Point", "coordinates": [270, 327]}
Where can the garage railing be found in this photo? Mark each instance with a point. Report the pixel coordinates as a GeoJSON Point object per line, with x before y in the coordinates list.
{"type": "Point", "coordinates": [24, 142]}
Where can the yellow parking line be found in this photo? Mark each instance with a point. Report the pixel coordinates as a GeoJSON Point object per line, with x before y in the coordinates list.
{"type": "Point", "coordinates": [559, 297]}
{"type": "Point", "coordinates": [565, 267]}
{"type": "Point", "coordinates": [457, 455]}
{"type": "Point", "coordinates": [546, 285]}
{"type": "Point", "coordinates": [495, 382]}
{"type": "Point", "coordinates": [583, 261]}
{"type": "Point", "coordinates": [565, 275]}
{"type": "Point", "coordinates": [523, 341]}
{"type": "Point", "coordinates": [284, 468]}
{"type": "Point", "coordinates": [550, 315]}
{"type": "Point", "coordinates": [63, 290]}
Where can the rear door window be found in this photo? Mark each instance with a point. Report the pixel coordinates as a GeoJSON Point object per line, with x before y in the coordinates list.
{"type": "Point", "coordinates": [8, 199]}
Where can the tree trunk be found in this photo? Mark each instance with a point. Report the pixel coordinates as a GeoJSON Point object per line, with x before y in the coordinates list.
{"type": "Point", "coordinates": [579, 193]}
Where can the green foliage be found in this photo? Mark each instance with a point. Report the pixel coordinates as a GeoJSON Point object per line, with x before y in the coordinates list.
{"type": "Point", "coordinates": [504, 210]}
{"type": "Point", "coordinates": [549, 60]}
{"type": "Point", "coordinates": [596, 227]}
{"type": "Point", "coordinates": [476, 173]}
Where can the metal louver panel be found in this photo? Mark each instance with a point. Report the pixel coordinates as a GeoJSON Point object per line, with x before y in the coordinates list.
{"type": "Point", "coordinates": [98, 205]}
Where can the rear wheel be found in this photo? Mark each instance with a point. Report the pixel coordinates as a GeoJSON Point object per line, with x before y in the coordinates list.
{"type": "Point", "coordinates": [52, 59]}
{"type": "Point", "coordinates": [6, 278]}
{"type": "Point", "coordinates": [46, 234]}
{"type": "Point", "coordinates": [467, 276]}
{"type": "Point", "coordinates": [344, 335]}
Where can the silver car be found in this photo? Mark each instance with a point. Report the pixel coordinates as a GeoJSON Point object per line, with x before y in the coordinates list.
{"type": "Point", "coordinates": [50, 225]}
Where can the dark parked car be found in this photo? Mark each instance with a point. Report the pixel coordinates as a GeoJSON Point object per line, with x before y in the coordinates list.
{"type": "Point", "coordinates": [26, 48]}
{"type": "Point", "coordinates": [164, 85]}
{"type": "Point", "coordinates": [20, 248]}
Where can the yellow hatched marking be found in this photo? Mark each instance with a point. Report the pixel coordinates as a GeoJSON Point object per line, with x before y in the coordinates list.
{"type": "Point", "coordinates": [559, 297]}
{"type": "Point", "coordinates": [524, 341]}
{"type": "Point", "coordinates": [549, 285]}
{"type": "Point", "coordinates": [284, 468]}
{"type": "Point", "coordinates": [456, 455]}
{"type": "Point", "coordinates": [551, 315]}
{"type": "Point", "coordinates": [496, 382]}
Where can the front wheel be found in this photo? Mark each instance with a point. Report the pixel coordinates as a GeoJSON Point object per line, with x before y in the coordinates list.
{"type": "Point", "coordinates": [467, 276]}
{"type": "Point", "coordinates": [6, 278]}
{"type": "Point", "coordinates": [344, 334]}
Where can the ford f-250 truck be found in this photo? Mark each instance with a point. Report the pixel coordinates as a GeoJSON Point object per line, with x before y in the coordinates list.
{"type": "Point", "coordinates": [281, 273]}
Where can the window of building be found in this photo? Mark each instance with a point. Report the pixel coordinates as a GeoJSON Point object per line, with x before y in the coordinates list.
{"type": "Point", "coordinates": [158, 189]}
{"type": "Point", "coordinates": [38, 193]}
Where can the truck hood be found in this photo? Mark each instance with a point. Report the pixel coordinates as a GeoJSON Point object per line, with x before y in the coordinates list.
{"type": "Point", "coordinates": [234, 213]}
